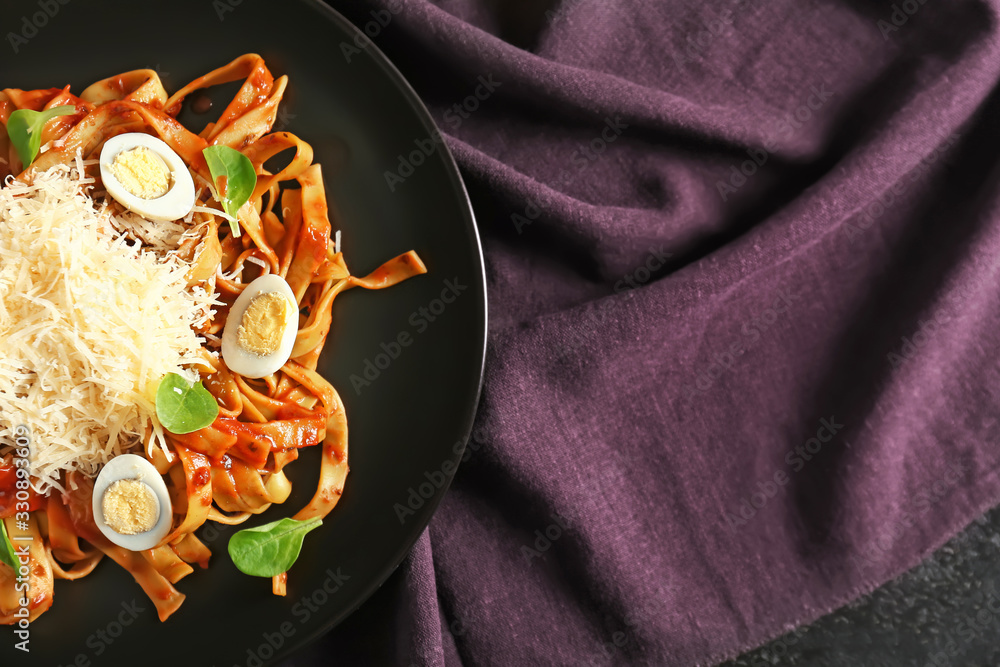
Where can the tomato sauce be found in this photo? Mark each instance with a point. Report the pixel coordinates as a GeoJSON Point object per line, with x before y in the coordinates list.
{"type": "Point", "coordinates": [255, 441]}
{"type": "Point", "coordinates": [8, 492]}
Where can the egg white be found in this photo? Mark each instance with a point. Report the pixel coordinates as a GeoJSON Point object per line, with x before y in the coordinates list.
{"type": "Point", "coordinates": [130, 466]}
{"type": "Point", "coordinates": [179, 199]}
{"type": "Point", "coordinates": [247, 363]}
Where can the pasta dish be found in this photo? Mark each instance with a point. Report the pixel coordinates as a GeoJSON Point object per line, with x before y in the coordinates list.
{"type": "Point", "coordinates": [165, 295]}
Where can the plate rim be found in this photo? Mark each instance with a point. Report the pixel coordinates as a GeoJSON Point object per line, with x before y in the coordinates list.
{"type": "Point", "coordinates": [427, 512]}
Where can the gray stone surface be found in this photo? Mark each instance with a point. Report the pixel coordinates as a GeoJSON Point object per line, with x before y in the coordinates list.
{"type": "Point", "coordinates": [945, 612]}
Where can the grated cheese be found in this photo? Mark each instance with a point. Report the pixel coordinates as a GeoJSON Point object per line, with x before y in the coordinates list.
{"type": "Point", "coordinates": [89, 324]}
{"type": "Point", "coordinates": [162, 236]}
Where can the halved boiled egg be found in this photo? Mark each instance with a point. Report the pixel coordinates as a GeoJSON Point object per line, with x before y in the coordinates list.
{"type": "Point", "coordinates": [131, 503]}
{"type": "Point", "coordinates": [261, 328]}
{"type": "Point", "coordinates": [147, 177]}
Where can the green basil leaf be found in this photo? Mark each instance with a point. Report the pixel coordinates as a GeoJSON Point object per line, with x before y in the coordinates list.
{"type": "Point", "coordinates": [24, 127]}
{"type": "Point", "coordinates": [269, 550]}
{"type": "Point", "coordinates": [182, 407]}
{"type": "Point", "coordinates": [7, 554]}
{"type": "Point", "coordinates": [241, 178]}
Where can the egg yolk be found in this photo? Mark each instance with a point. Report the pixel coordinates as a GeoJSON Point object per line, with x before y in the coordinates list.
{"type": "Point", "coordinates": [263, 323]}
{"type": "Point", "coordinates": [130, 507]}
{"type": "Point", "coordinates": [142, 172]}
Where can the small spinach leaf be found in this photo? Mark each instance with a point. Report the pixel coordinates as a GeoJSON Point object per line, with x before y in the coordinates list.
{"type": "Point", "coordinates": [269, 550]}
{"type": "Point", "coordinates": [7, 554]}
{"type": "Point", "coordinates": [241, 178]}
{"type": "Point", "coordinates": [24, 127]}
{"type": "Point", "coordinates": [182, 407]}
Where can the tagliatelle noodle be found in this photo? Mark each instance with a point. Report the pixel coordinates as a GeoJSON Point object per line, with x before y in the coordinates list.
{"type": "Point", "coordinates": [234, 468]}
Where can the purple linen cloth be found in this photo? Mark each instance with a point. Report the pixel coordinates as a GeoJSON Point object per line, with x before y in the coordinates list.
{"type": "Point", "coordinates": [744, 292]}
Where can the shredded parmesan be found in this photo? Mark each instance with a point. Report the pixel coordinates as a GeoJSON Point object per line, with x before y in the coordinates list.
{"type": "Point", "coordinates": [89, 324]}
{"type": "Point", "coordinates": [209, 210]}
{"type": "Point", "coordinates": [161, 236]}
{"type": "Point", "coordinates": [235, 277]}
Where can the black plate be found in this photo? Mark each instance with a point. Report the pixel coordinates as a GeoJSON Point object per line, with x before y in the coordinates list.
{"type": "Point", "coordinates": [406, 427]}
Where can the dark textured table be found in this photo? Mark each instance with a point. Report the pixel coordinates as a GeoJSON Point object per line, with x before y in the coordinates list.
{"type": "Point", "coordinates": [944, 612]}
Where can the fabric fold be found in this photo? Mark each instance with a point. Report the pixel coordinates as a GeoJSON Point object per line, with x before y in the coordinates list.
{"type": "Point", "coordinates": [742, 355]}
